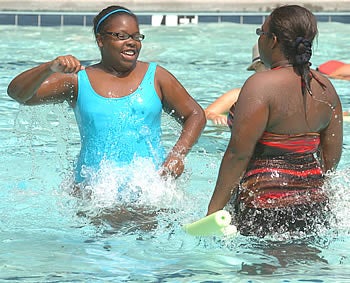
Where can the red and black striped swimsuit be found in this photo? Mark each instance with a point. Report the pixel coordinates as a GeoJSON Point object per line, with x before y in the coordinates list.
{"type": "Point", "coordinates": [282, 187]}
{"type": "Point", "coordinates": [284, 171]}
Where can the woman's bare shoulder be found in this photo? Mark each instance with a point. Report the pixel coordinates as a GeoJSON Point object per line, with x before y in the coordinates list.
{"type": "Point", "coordinates": [258, 82]}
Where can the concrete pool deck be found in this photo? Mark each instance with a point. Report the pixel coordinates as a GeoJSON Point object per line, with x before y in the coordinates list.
{"type": "Point", "coordinates": [171, 5]}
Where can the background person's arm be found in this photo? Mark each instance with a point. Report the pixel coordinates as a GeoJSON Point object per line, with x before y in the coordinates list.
{"type": "Point", "coordinates": [217, 111]}
{"type": "Point", "coordinates": [342, 73]}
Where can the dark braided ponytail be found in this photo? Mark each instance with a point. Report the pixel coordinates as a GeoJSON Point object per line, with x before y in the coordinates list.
{"type": "Point", "coordinates": [302, 61]}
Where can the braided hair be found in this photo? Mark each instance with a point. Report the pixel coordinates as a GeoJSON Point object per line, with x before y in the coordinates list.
{"type": "Point", "coordinates": [296, 27]}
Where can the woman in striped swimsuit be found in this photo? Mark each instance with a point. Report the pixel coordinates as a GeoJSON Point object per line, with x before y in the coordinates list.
{"type": "Point", "coordinates": [286, 134]}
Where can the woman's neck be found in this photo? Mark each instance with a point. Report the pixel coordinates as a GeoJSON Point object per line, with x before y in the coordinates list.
{"type": "Point", "coordinates": [281, 64]}
{"type": "Point", "coordinates": [117, 72]}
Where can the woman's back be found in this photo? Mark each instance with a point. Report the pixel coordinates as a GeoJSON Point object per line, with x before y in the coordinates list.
{"type": "Point", "coordinates": [289, 111]}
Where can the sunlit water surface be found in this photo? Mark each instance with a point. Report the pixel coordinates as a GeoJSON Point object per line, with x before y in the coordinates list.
{"type": "Point", "coordinates": [49, 236]}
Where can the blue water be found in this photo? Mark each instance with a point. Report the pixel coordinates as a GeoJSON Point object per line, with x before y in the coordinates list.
{"type": "Point", "coordinates": [46, 235]}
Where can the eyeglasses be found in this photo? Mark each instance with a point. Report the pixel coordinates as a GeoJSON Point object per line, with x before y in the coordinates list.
{"type": "Point", "coordinates": [259, 32]}
{"type": "Point", "coordinates": [125, 36]}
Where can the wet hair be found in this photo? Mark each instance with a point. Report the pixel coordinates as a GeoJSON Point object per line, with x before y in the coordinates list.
{"type": "Point", "coordinates": [295, 28]}
{"type": "Point", "coordinates": [102, 19]}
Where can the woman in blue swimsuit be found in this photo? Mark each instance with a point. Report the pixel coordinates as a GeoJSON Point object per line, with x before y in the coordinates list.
{"type": "Point", "coordinates": [117, 102]}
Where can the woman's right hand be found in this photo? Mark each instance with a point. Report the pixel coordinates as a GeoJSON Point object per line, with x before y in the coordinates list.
{"type": "Point", "coordinates": [66, 64]}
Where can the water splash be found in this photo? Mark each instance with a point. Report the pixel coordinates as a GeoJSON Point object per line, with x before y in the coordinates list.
{"type": "Point", "coordinates": [127, 198]}
{"type": "Point", "coordinates": [338, 188]}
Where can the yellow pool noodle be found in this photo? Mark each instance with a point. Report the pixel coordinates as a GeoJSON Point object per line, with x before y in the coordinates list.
{"type": "Point", "coordinates": [217, 223]}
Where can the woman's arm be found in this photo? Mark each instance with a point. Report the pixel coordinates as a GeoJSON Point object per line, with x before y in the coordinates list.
{"type": "Point", "coordinates": [53, 81]}
{"type": "Point", "coordinates": [332, 138]}
{"type": "Point", "coordinates": [217, 111]}
{"type": "Point", "coordinates": [187, 112]}
{"type": "Point", "coordinates": [342, 73]}
{"type": "Point", "coordinates": [245, 134]}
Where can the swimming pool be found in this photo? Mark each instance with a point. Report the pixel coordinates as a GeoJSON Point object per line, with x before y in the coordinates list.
{"type": "Point", "coordinates": [49, 236]}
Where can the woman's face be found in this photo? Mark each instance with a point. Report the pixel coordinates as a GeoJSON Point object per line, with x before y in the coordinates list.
{"type": "Point", "coordinates": [264, 40]}
{"type": "Point", "coordinates": [119, 41]}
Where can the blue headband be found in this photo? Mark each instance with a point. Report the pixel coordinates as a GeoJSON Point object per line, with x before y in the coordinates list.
{"type": "Point", "coordinates": [107, 15]}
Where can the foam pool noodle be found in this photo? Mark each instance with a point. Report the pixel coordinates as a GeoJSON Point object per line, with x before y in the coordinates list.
{"type": "Point", "coordinates": [217, 223]}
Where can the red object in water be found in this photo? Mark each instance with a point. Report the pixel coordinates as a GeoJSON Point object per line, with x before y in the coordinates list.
{"type": "Point", "coordinates": [330, 66]}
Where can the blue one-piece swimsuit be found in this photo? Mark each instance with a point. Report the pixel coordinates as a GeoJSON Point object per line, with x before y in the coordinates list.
{"type": "Point", "coordinates": [118, 129]}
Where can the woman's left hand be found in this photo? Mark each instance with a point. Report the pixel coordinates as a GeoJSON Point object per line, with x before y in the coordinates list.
{"type": "Point", "coordinates": [173, 166]}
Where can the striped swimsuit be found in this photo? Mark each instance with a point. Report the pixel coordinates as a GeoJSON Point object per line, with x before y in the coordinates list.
{"type": "Point", "coordinates": [284, 171]}
{"type": "Point", "coordinates": [281, 189]}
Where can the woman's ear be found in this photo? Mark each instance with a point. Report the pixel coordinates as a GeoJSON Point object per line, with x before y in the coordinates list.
{"type": "Point", "coordinates": [274, 41]}
{"type": "Point", "coordinates": [99, 40]}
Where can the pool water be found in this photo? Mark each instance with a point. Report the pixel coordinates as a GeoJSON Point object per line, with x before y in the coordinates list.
{"type": "Point", "coordinates": [49, 236]}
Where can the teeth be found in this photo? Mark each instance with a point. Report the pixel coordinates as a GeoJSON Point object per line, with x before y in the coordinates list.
{"type": "Point", "coordinates": [129, 52]}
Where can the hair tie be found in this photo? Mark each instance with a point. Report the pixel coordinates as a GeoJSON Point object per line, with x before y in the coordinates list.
{"type": "Point", "coordinates": [108, 14]}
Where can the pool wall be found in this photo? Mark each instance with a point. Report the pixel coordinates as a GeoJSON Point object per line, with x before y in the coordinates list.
{"type": "Point", "coordinates": [172, 5]}
{"type": "Point", "coordinates": [20, 18]}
